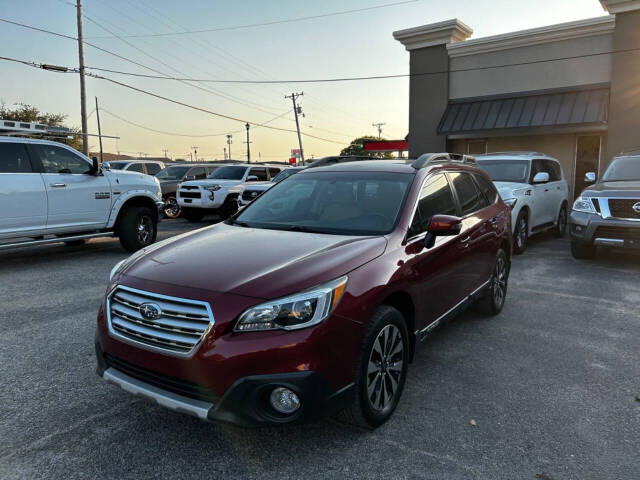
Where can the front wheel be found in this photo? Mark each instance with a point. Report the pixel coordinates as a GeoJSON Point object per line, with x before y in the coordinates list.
{"type": "Point", "coordinates": [521, 233]}
{"type": "Point", "coordinates": [138, 228]}
{"type": "Point", "coordinates": [381, 370]}
{"type": "Point", "coordinates": [492, 301]}
{"type": "Point", "coordinates": [171, 208]}
{"type": "Point", "coordinates": [561, 222]}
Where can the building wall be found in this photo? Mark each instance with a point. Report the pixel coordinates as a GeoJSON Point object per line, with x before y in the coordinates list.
{"type": "Point", "coordinates": [536, 76]}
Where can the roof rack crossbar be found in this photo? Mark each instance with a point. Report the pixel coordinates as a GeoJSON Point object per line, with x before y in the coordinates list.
{"type": "Point", "coordinates": [514, 152]}
{"type": "Point", "coordinates": [427, 159]}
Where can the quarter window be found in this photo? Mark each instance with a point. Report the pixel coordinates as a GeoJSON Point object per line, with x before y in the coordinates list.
{"type": "Point", "coordinates": [136, 167]}
{"type": "Point", "coordinates": [60, 160]}
{"type": "Point", "coordinates": [471, 200]}
{"type": "Point", "coordinates": [198, 173]}
{"type": "Point", "coordinates": [435, 199]}
{"type": "Point", "coordinates": [14, 158]}
{"type": "Point", "coordinates": [274, 172]}
{"type": "Point", "coordinates": [555, 173]}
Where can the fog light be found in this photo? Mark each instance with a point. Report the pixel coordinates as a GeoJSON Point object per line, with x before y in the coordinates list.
{"type": "Point", "coordinates": [284, 400]}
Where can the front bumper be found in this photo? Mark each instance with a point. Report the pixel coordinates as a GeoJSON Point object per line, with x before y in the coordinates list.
{"type": "Point", "coordinates": [592, 229]}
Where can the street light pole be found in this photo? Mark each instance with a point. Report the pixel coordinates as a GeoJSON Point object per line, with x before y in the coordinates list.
{"type": "Point", "coordinates": [229, 142]}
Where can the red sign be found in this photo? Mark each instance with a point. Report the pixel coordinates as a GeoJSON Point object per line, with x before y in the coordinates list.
{"type": "Point", "coordinates": [386, 146]}
{"type": "Point", "coordinates": [292, 161]}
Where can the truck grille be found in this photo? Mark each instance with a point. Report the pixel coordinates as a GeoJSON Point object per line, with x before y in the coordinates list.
{"type": "Point", "coordinates": [623, 207]}
{"type": "Point", "coordinates": [166, 324]}
{"type": "Point", "coordinates": [189, 194]}
{"type": "Point", "coordinates": [190, 187]}
{"type": "Point", "coordinates": [621, 233]}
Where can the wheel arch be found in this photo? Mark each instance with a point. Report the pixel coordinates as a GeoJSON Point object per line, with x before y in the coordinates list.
{"type": "Point", "coordinates": [402, 301]}
{"type": "Point", "coordinates": [135, 201]}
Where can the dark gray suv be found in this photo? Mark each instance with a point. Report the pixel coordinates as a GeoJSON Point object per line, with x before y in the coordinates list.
{"type": "Point", "coordinates": [172, 175]}
{"type": "Point", "coordinates": [608, 212]}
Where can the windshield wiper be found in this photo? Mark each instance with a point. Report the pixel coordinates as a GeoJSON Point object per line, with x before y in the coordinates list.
{"type": "Point", "coordinates": [294, 228]}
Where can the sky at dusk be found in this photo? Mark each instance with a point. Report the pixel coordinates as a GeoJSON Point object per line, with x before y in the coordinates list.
{"type": "Point", "coordinates": [356, 44]}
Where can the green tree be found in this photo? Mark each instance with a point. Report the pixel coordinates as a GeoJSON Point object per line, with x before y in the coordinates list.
{"type": "Point", "coordinates": [22, 112]}
{"type": "Point", "coordinates": [356, 147]}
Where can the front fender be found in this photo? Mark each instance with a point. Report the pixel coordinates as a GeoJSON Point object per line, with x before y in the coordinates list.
{"type": "Point", "coordinates": [124, 197]}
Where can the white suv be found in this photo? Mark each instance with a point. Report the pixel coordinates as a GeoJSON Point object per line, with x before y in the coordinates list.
{"type": "Point", "coordinates": [198, 198]}
{"type": "Point", "coordinates": [533, 186]}
{"type": "Point", "coordinates": [52, 193]}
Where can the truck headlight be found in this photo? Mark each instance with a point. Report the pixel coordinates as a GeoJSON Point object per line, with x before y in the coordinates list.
{"type": "Point", "coordinates": [296, 311]}
{"type": "Point", "coordinates": [583, 204]}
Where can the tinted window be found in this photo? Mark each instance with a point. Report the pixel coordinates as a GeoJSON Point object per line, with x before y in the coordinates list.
{"type": "Point", "coordinates": [287, 172]}
{"type": "Point", "coordinates": [273, 172]}
{"type": "Point", "coordinates": [346, 203]}
{"type": "Point", "coordinates": [487, 188]}
{"type": "Point", "coordinates": [537, 166]}
{"type": "Point", "coordinates": [261, 173]}
{"type": "Point", "coordinates": [117, 165]}
{"type": "Point", "coordinates": [228, 173]}
{"type": "Point", "coordinates": [555, 174]}
{"type": "Point", "coordinates": [198, 173]}
{"type": "Point", "coordinates": [60, 160]}
{"type": "Point", "coordinates": [14, 158]}
{"type": "Point", "coordinates": [436, 198]}
{"type": "Point", "coordinates": [135, 167]}
{"type": "Point", "coordinates": [152, 168]}
{"type": "Point", "coordinates": [172, 173]}
{"type": "Point", "coordinates": [505, 170]}
{"type": "Point", "coordinates": [468, 194]}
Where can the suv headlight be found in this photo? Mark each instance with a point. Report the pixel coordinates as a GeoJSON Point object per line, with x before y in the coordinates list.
{"type": "Point", "coordinates": [296, 311]}
{"type": "Point", "coordinates": [213, 188]}
{"type": "Point", "coordinates": [510, 202]}
{"type": "Point", "coordinates": [584, 204]}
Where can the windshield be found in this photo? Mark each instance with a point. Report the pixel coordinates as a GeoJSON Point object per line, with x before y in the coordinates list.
{"type": "Point", "coordinates": [117, 165]}
{"type": "Point", "coordinates": [228, 173]}
{"type": "Point", "coordinates": [621, 169]}
{"type": "Point", "coordinates": [342, 203]}
{"type": "Point", "coordinates": [172, 173]}
{"type": "Point", "coordinates": [506, 170]}
{"type": "Point", "coordinates": [284, 174]}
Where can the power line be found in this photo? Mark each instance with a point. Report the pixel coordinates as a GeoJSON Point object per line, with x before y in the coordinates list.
{"type": "Point", "coordinates": [275, 22]}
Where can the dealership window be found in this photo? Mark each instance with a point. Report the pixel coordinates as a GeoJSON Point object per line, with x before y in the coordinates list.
{"type": "Point", "coordinates": [476, 147]}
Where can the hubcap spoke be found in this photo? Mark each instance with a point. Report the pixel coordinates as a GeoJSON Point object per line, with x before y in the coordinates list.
{"type": "Point", "coordinates": [385, 367]}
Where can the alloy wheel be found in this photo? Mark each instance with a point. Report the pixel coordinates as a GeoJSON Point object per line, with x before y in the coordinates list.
{"type": "Point", "coordinates": [171, 208]}
{"type": "Point", "coordinates": [384, 370]}
{"type": "Point", "coordinates": [562, 220]}
{"type": "Point", "coordinates": [521, 233]}
{"type": "Point", "coordinates": [144, 229]}
{"type": "Point", "coordinates": [499, 287]}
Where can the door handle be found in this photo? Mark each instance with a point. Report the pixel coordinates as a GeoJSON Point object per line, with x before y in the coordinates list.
{"type": "Point", "coordinates": [465, 241]}
{"type": "Point", "coordinates": [57, 185]}
{"type": "Point", "coordinates": [546, 189]}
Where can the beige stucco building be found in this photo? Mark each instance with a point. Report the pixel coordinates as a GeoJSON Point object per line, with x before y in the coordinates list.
{"type": "Point", "coordinates": [570, 90]}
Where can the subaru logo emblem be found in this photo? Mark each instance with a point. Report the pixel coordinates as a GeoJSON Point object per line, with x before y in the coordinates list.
{"type": "Point", "coordinates": [636, 207]}
{"type": "Point", "coordinates": [150, 311]}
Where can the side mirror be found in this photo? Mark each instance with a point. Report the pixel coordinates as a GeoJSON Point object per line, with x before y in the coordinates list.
{"type": "Point", "coordinates": [105, 166]}
{"type": "Point", "coordinates": [442, 226]}
{"type": "Point", "coordinates": [590, 177]}
{"type": "Point", "coordinates": [95, 168]}
{"type": "Point", "coordinates": [541, 177]}
{"type": "Point", "coordinates": [252, 178]}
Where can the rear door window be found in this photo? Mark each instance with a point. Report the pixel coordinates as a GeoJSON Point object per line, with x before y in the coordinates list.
{"type": "Point", "coordinates": [436, 198]}
{"type": "Point", "coordinates": [261, 173]}
{"type": "Point", "coordinates": [152, 168]}
{"type": "Point", "coordinates": [136, 167]}
{"type": "Point", "coordinates": [469, 196]}
{"type": "Point", "coordinates": [553, 168]}
{"type": "Point", "coordinates": [14, 158]}
{"type": "Point", "coordinates": [198, 173]}
{"type": "Point", "coordinates": [273, 172]}
{"type": "Point", "coordinates": [487, 188]}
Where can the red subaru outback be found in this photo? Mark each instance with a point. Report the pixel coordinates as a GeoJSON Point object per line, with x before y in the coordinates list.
{"type": "Point", "coordinates": [313, 299]}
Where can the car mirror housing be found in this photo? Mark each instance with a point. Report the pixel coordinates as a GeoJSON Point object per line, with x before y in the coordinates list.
{"type": "Point", "coordinates": [590, 177]}
{"type": "Point", "coordinates": [95, 166]}
{"type": "Point", "coordinates": [541, 177]}
{"type": "Point", "coordinates": [442, 226]}
{"type": "Point", "coordinates": [252, 178]}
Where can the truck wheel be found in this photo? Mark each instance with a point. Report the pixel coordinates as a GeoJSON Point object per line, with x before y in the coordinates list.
{"type": "Point", "coordinates": [561, 222]}
{"type": "Point", "coordinates": [192, 214]}
{"type": "Point", "coordinates": [521, 233]}
{"type": "Point", "coordinates": [381, 370]}
{"type": "Point", "coordinates": [137, 228]}
{"type": "Point", "coordinates": [492, 301]}
{"type": "Point", "coordinates": [582, 251]}
{"type": "Point", "coordinates": [171, 208]}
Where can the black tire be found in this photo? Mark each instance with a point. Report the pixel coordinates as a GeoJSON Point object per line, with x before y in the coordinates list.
{"type": "Point", "coordinates": [582, 251]}
{"type": "Point", "coordinates": [561, 223]}
{"type": "Point", "coordinates": [492, 301]}
{"type": "Point", "coordinates": [192, 214]}
{"type": "Point", "coordinates": [521, 233]}
{"type": "Point", "coordinates": [229, 207]}
{"type": "Point", "coordinates": [171, 208]}
{"type": "Point", "coordinates": [75, 243]}
{"type": "Point", "coordinates": [363, 412]}
{"type": "Point", "coordinates": [137, 228]}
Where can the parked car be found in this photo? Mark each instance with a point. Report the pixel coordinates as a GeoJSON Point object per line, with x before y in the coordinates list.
{"type": "Point", "coordinates": [534, 187]}
{"type": "Point", "coordinates": [608, 213]}
{"type": "Point", "coordinates": [198, 198]}
{"type": "Point", "coordinates": [172, 175]}
{"type": "Point", "coordinates": [293, 310]}
{"type": "Point", "coordinates": [148, 167]}
{"type": "Point", "coordinates": [52, 193]}
{"type": "Point", "coordinates": [248, 192]}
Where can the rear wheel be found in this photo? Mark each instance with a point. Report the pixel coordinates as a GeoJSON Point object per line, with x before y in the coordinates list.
{"type": "Point", "coordinates": [381, 370]}
{"type": "Point", "coordinates": [137, 228]}
{"type": "Point", "coordinates": [582, 251]}
{"type": "Point", "coordinates": [171, 208]}
{"type": "Point", "coordinates": [492, 301]}
{"type": "Point", "coordinates": [561, 222]}
{"type": "Point", "coordinates": [192, 214]}
{"type": "Point", "coordinates": [521, 233]}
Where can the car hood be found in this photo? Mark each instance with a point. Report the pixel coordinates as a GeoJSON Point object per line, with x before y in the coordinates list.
{"type": "Point", "coordinates": [257, 263]}
{"type": "Point", "coordinates": [126, 178]}
{"type": "Point", "coordinates": [212, 181]}
{"type": "Point", "coordinates": [613, 189]}
{"type": "Point", "coordinates": [509, 189]}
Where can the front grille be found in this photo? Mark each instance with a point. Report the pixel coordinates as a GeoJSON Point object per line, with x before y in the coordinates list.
{"type": "Point", "coordinates": [623, 207]}
{"type": "Point", "coordinates": [190, 187]}
{"type": "Point", "coordinates": [189, 194]}
{"type": "Point", "coordinates": [621, 233]}
{"type": "Point", "coordinates": [250, 195]}
{"type": "Point", "coordinates": [175, 385]}
{"type": "Point", "coordinates": [171, 325]}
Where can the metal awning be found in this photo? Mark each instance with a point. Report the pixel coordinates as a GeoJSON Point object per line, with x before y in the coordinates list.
{"type": "Point", "coordinates": [527, 110]}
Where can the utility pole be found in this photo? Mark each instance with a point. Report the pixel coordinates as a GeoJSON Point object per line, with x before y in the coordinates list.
{"type": "Point", "coordinates": [296, 111]}
{"type": "Point", "coordinates": [99, 129]}
{"type": "Point", "coordinates": [195, 152]}
{"type": "Point", "coordinates": [229, 142]}
{"type": "Point", "coordinates": [379, 127]}
{"type": "Point", "coordinates": [248, 142]}
{"type": "Point", "coordinates": [83, 92]}
{"type": "Point", "coordinates": [165, 153]}
{"type": "Point", "coordinates": [225, 152]}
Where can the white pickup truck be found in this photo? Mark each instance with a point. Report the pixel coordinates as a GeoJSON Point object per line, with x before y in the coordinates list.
{"type": "Point", "coordinates": [51, 193]}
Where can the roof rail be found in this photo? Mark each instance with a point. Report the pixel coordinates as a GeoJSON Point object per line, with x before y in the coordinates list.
{"type": "Point", "coordinates": [427, 159]}
{"type": "Point", "coordinates": [513, 152]}
{"type": "Point", "coordinates": [629, 153]}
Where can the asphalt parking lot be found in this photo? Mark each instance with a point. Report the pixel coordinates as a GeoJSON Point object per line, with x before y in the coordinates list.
{"type": "Point", "coordinates": [551, 385]}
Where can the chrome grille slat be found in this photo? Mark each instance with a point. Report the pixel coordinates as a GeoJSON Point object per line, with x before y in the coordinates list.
{"type": "Point", "coordinates": [179, 329]}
